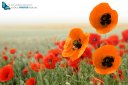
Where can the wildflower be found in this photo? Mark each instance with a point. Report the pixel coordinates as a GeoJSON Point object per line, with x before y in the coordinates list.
{"type": "Point", "coordinates": [5, 48]}
{"type": "Point", "coordinates": [94, 39]}
{"type": "Point", "coordinates": [6, 73]}
{"type": "Point", "coordinates": [121, 46]}
{"type": "Point", "coordinates": [29, 54]}
{"type": "Point", "coordinates": [104, 42]}
{"type": "Point", "coordinates": [54, 52]}
{"type": "Point", "coordinates": [30, 81]}
{"type": "Point", "coordinates": [74, 64]}
{"type": "Point", "coordinates": [121, 75]}
{"type": "Point", "coordinates": [75, 44]}
{"type": "Point", "coordinates": [113, 76]}
{"type": "Point", "coordinates": [4, 57]}
{"type": "Point", "coordinates": [121, 53]}
{"type": "Point", "coordinates": [12, 51]}
{"type": "Point", "coordinates": [103, 18]}
{"type": "Point", "coordinates": [3, 53]}
{"type": "Point", "coordinates": [60, 45]}
{"type": "Point", "coordinates": [50, 61]}
{"type": "Point", "coordinates": [106, 60]}
{"type": "Point", "coordinates": [113, 40]}
{"type": "Point", "coordinates": [36, 66]}
{"type": "Point", "coordinates": [38, 56]}
{"type": "Point", "coordinates": [87, 53]}
{"type": "Point", "coordinates": [25, 71]}
{"type": "Point", "coordinates": [97, 81]}
{"type": "Point", "coordinates": [125, 35]}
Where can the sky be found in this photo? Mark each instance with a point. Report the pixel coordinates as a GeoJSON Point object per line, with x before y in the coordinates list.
{"type": "Point", "coordinates": [58, 11]}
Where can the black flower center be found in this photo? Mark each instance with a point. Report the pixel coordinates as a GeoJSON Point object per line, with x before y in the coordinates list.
{"type": "Point", "coordinates": [105, 19]}
{"type": "Point", "coordinates": [77, 44]}
{"type": "Point", "coordinates": [107, 61]}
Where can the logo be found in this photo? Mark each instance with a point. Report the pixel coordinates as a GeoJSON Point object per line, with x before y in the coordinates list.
{"type": "Point", "coordinates": [17, 6]}
{"type": "Point", "coordinates": [5, 6]}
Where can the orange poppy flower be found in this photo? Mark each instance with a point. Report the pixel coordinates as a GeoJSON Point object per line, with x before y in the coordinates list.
{"type": "Point", "coordinates": [103, 18]}
{"type": "Point", "coordinates": [75, 44]}
{"type": "Point", "coordinates": [106, 60]}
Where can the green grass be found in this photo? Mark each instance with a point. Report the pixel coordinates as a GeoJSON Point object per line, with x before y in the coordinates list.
{"type": "Point", "coordinates": [43, 41]}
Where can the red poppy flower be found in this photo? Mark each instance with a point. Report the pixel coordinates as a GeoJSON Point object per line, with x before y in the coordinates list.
{"type": "Point", "coordinates": [21, 55]}
{"type": "Point", "coordinates": [29, 54]}
{"type": "Point", "coordinates": [14, 57]}
{"type": "Point", "coordinates": [56, 43]}
{"type": "Point", "coordinates": [125, 35]}
{"type": "Point", "coordinates": [3, 53]}
{"type": "Point", "coordinates": [74, 64]}
{"type": "Point", "coordinates": [6, 73]}
{"type": "Point", "coordinates": [94, 39]}
{"type": "Point", "coordinates": [113, 76]}
{"type": "Point", "coordinates": [25, 71]}
{"type": "Point", "coordinates": [121, 75]}
{"type": "Point", "coordinates": [5, 48]}
{"type": "Point", "coordinates": [30, 81]}
{"type": "Point", "coordinates": [36, 66]}
{"type": "Point", "coordinates": [126, 51]}
{"type": "Point", "coordinates": [103, 42]}
{"type": "Point", "coordinates": [5, 57]}
{"type": "Point", "coordinates": [87, 53]}
{"type": "Point", "coordinates": [60, 44]}
{"type": "Point", "coordinates": [54, 52]}
{"type": "Point", "coordinates": [38, 56]}
{"type": "Point", "coordinates": [121, 53]}
{"type": "Point", "coordinates": [50, 61]}
{"type": "Point", "coordinates": [97, 81]}
{"type": "Point", "coordinates": [113, 40]}
{"type": "Point", "coordinates": [12, 51]}
{"type": "Point", "coordinates": [121, 46]}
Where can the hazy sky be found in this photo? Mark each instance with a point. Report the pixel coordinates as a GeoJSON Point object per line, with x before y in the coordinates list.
{"type": "Point", "coordinates": [57, 11]}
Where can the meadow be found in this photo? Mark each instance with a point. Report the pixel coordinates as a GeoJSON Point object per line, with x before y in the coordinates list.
{"type": "Point", "coordinates": [25, 49]}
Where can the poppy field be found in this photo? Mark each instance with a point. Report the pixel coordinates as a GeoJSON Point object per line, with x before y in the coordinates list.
{"type": "Point", "coordinates": [73, 57]}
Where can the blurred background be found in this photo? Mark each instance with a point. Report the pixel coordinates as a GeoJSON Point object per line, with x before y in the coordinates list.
{"type": "Point", "coordinates": [54, 18]}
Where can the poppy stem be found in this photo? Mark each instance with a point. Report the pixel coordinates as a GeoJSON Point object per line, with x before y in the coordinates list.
{"type": "Point", "coordinates": [118, 78]}
{"type": "Point", "coordinates": [40, 75]}
{"type": "Point", "coordinates": [98, 79]}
